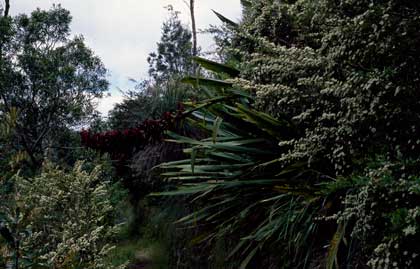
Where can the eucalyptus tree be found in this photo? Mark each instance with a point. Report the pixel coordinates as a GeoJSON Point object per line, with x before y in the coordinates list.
{"type": "Point", "coordinates": [49, 76]}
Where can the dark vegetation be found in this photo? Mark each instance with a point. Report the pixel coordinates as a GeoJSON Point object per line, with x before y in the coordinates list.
{"type": "Point", "coordinates": [297, 147]}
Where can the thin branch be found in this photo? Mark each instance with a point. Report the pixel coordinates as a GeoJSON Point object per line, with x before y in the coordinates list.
{"type": "Point", "coordinates": [186, 3]}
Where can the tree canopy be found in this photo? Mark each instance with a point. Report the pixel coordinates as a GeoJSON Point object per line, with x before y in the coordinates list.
{"type": "Point", "coordinates": [162, 91]}
{"type": "Point", "coordinates": [301, 150]}
{"type": "Point", "coordinates": [50, 77]}
{"type": "Point", "coordinates": [174, 51]}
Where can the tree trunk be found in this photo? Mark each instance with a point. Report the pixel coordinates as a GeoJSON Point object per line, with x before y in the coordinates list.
{"type": "Point", "coordinates": [7, 8]}
{"type": "Point", "coordinates": [194, 30]}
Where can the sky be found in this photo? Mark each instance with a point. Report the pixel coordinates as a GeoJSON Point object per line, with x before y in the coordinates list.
{"type": "Point", "coordinates": [123, 32]}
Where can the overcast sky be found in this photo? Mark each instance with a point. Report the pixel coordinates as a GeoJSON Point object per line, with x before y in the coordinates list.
{"type": "Point", "coordinates": [124, 32]}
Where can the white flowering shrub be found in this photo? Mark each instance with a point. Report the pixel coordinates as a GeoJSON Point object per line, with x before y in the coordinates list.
{"type": "Point", "coordinates": [68, 216]}
{"type": "Point", "coordinates": [384, 213]}
{"type": "Point", "coordinates": [343, 75]}
{"type": "Point", "coordinates": [344, 72]}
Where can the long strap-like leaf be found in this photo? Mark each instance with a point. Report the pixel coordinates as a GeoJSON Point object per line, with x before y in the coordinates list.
{"type": "Point", "coordinates": [226, 20]}
{"type": "Point", "coordinates": [334, 246]}
{"type": "Point", "coordinates": [217, 67]}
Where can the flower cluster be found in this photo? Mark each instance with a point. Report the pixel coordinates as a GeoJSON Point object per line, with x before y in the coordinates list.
{"type": "Point", "coordinates": [66, 218]}
{"type": "Point", "coordinates": [346, 75]}
{"type": "Point", "coordinates": [122, 144]}
{"type": "Point", "coordinates": [385, 214]}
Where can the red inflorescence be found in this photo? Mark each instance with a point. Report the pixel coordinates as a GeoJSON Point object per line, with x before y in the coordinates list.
{"type": "Point", "coordinates": [122, 144]}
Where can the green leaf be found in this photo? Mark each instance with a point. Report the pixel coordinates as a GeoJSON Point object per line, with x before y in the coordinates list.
{"type": "Point", "coordinates": [193, 157]}
{"type": "Point", "coordinates": [334, 246]}
{"type": "Point", "coordinates": [246, 3]}
{"type": "Point", "coordinates": [198, 81]}
{"type": "Point", "coordinates": [207, 103]}
{"type": "Point", "coordinates": [227, 156]}
{"type": "Point", "coordinates": [237, 248]}
{"type": "Point", "coordinates": [279, 129]}
{"type": "Point", "coordinates": [246, 261]}
{"type": "Point", "coordinates": [191, 179]}
{"type": "Point", "coordinates": [6, 234]}
{"type": "Point", "coordinates": [187, 190]}
{"type": "Point", "coordinates": [217, 67]}
{"type": "Point", "coordinates": [216, 128]}
{"type": "Point", "coordinates": [226, 20]}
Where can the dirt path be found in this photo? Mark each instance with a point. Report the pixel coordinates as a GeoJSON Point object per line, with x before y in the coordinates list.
{"type": "Point", "coordinates": [140, 266]}
{"type": "Point", "coordinates": [142, 261]}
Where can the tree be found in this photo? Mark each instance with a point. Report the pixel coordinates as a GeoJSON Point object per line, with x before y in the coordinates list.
{"type": "Point", "coordinates": [162, 91]}
{"type": "Point", "coordinates": [148, 101]}
{"type": "Point", "coordinates": [174, 51]}
{"type": "Point", "coordinates": [49, 77]}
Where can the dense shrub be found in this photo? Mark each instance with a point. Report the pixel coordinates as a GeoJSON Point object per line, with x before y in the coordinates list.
{"type": "Point", "coordinates": [121, 145]}
{"type": "Point", "coordinates": [345, 72]}
{"type": "Point", "coordinates": [61, 219]}
{"type": "Point", "coordinates": [147, 102]}
{"type": "Point", "coordinates": [340, 79]}
{"type": "Point", "coordinates": [382, 208]}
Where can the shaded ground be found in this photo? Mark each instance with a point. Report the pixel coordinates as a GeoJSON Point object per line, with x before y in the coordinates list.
{"type": "Point", "coordinates": [140, 266]}
{"type": "Point", "coordinates": [142, 260]}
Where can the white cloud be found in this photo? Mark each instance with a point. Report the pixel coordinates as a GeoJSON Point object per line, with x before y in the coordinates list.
{"type": "Point", "coordinates": [124, 32]}
{"type": "Point", "coordinates": [107, 103]}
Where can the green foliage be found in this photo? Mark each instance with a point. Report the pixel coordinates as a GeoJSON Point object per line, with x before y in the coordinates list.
{"type": "Point", "coordinates": [222, 37]}
{"type": "Point", "coordinates": [385, 215]}
{"type": "Point", "coordinates": [9, 157]}
{"type": "Point", "coordinates": [8, 122]}
{"type": "Point", "coordinates": [122, 255]}
{"type": "Point", "coordinates": [343, 72]}
{"type": "Point", "coordinates": [48, 76]}
{"type": "Point", "coordinates": [169, 243]}
{"type": "Point", "coordinates": [226, 20]}
{"type": "Point", "coordinates": [145, 250]}
{"type": "Point", "coordinates": [62, 219]}
{"type": "Point", "coordinates": [163, 92]}
{"type": "Point", "coordinates": [174, 51]}
{"type": "Point", "coordinates": [247, 193]}
{"type": "Point", "coordinates": [217, 67]}
{"type": "Point", "coordinates": [148, 101]}
{"type": "Point", "coordinates": [284, 170]}
{"type": "Point", "coordinates": [333, 86]}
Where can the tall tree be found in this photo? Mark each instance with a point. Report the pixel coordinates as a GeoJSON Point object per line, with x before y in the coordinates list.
{"type": "Point", "coordinates": [163, 91]}
{"type": "Point", "coordinates": [174, 51]}
{"type": "Point", "coordinates": [51, 79]}
{"type": "Point", "coordinates": [4, 22]}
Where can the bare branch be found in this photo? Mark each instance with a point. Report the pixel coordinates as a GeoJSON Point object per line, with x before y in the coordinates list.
{"type": "Point", "coordinates": [186, 3]}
